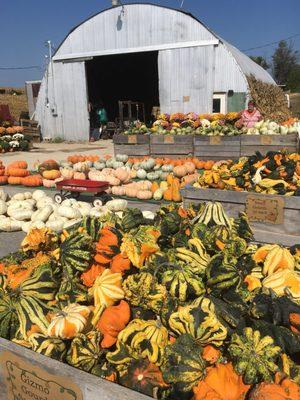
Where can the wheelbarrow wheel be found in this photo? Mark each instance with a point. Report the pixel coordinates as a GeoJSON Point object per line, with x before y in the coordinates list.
{"type": "Point", "coordinates": [97, 203]}
{"type": "Point", "coordinates": [58, 198]}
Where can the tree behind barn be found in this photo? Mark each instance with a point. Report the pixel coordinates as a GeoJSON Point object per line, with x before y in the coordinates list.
{"type": "Point", "coordinates": [284, 60]}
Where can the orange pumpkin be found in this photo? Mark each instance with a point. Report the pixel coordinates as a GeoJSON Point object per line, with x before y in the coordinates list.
{"type": "Point", "coordinates": [190, 167]}
{"type": "Point", "coordinates": [176, 196]}
{"type": "Point", "coordinates": [88, 277]}
{"type": "Point", "coordinates": [106, 246]}
{"type": "Point", "coordinates": [51, 174]}
{"type": "Point", "coordinates": [113, 320]}
{"type": "Point", "coordinates": [14, 180]}
{"type": "Point", "coordinates": [221, 383]}
{"type": "Point", "coordinates": [3, 180]}
{"type": "Point", "coordinates": [18, 172]}
{"type": "Point", "coordinates": [284, 390]}
{"type": "Point", "coordinates": [208, 164]}
{"type": "Point", "coordinates": [18, 164]}
{"type": "Point", "coordinates": [79, 175]}
{"type": "Point", "coordinates": [2, 171]}
{"type": "Point", "coordinates": [32, 180]}
{"type": "Point", "coordinates": [180, 171]}
{"type": "Point", "coordinates": [168, 195]}
{"type": "Point", "coordinates": [154, 187]}
{"type": "Point", "coordinates": [211, 354]}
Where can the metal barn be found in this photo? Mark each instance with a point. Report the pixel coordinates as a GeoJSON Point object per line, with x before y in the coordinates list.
{"type": "Point", "coordinates": [141, 52]}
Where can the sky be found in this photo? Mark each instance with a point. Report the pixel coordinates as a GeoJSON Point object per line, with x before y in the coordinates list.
{"type": "Point", "coordinates": [27, 25]}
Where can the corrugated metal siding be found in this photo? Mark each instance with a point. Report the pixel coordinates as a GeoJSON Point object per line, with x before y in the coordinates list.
{"type": "Point", "coordinates": [141, 25]}
{"type": "Point", "coordinates": [186, 73]}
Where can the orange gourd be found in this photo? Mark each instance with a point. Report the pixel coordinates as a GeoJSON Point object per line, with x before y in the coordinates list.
{"type": "Point", "coordinates": [284, 390]}
{"type": "Point", "coordinates": [32, 180]}
{"type": "Point", "coordinates": [2, 171]}
{"type": "Point", "coordinates": [211, 354]}
{"type": "Point", "coordinates": [131, 192]}
{"type": "Point", "coordinates": [79, 175]}
{"type": "Point", "coordinates": [107, 246]}
{"type": "Point", "coordinates": [18, 164]}
{"type": "Point", "coordinates": [190, 167]}
{"type": "Point", "coordinates": [19, 172]}
{"type": "Point", "coordinates": [221, 383]}
{"type": "Point", "coordinates": [168, 194]}
{"type": "Point", "coordinates": [170, 179]}
{"type": "Point", "coordinates": [113, 320]}
{"type": "Point", "coordinates": [208, 165]}
{"type": "Point", "coordinates": [14, 180]}
{"type": "Point", "coordinates": [120, 263]}
{"type": "Point", "coordinates": [88, 277]}
{"type": "Point", "coordinates": [180, 171]}
{"type": "Point", "coordinates": [154, 187]}
{"type": "Point", "coordinates": [144, 194]}
{"type": "Point", "coordinates": [175, 187]}
{"type": "Point", "coordinates": [298, 168]}
{"type": "Point", "coordinates": [200, 164]}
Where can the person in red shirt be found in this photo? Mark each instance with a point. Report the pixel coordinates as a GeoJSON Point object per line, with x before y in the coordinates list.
{"type": "Point", "coordinates": [249, 116]}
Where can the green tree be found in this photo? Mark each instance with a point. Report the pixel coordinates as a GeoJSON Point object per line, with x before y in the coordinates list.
{"type": "Point", "coordinates": [293, 82]}
{"type": "Point", "coordinates": [261, 61]}
{"type": "Point", "coordinates": [284, 60]}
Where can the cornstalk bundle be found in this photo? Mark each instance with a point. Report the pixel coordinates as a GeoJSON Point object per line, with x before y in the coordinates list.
{"type": "Point", "coordinates": [270, 99]}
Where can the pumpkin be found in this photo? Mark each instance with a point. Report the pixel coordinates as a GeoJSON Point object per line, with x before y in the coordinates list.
{"type": "Point", "coordinates": [144, 194]}
{"type": "Point", "coordinates": [183, 365]}
{"type": "Point", "coordinates": [92, 227]}
{"type": "Point", "coordinates": [67, 173]}
{"type": "Point", "coordinates": [68, 322]}
{"type": "Point", "coordinates": [221, 383]}
{"type": "Point", "coordinates": [32, 180]}
{"type": "Point", "coordinates": [48, 165]}
{"type": "Point", "coordinates": [175, 187]}
{"type": "Point", "coordinates": [119, 190]}
{"type": "Point", "coordinates": [86, 353]}
{"type": "Point", "coordinates": [3, 180]}
{"type": "Point", "coordinates": [120, 263]}
{"type": "Point", "coordinates": [254, 356]}
{"type": "Point", "coordinates": [180, 171]}
{"type": "Point", "coordinates": [284, 281]}
{"type": "Point", "coordinates": [145, 377]}
{"type": "Point", "coordinates": [17, 172]}
{"type": "Point", "coordinates": [211, 354]}
{"type": "Point", "coordinates": [88, 277]}
{"type": "Point", "coordinates": [112, 321]}
{"type": "Point", "coordinates": [131, 192]}
{"type": "Point", "coordinates": [122, 174]}
{"type": "Point", "coordinates": [49, 183]}
{"type": "Point", "coordinates": [18, 164]}
{"type": "Point", "coordinates": [14, 180]}
{"type": "Point", "coordinates": [190, 167]}
{"type": "Point", "coordinates": [107, 246]}
{"type": "Point", "coordinates": [79, 175]}
{"type": "Point", "coordinates": [168, 194]}
{"type": "Point", "coordinates": [116, 205]}
{"type": "Point", "coordinates": [51, 174]}
{"type": "Point", "coordinates": [141, 174]}
{"type": "Point", "coordinates": [154, 187]}
{"type": "Point", "coordinates": [75, 252]}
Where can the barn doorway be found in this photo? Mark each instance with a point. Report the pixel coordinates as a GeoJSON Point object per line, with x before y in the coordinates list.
{"type": "Point", "coordinates": [124, 77]}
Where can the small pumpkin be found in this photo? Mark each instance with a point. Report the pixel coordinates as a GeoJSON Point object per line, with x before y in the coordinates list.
{"type": "Point", "coordinates": [180, 171]}
{"type": "Point", "coordinates": [18, 164]}
{"type": "Point", "coordinates": [51, 174]}
{"type": "Point", "coordinates": [49, 183]}
{"type": "Point", "coordinates": [107, 288]}
{"type": "Point", "coordinates": [17, 172]}
{"type": "Point", "coordinates": [79, 175]}
{"type": "Point", "coordinates": [3, 180]}
{"type": "Point", "coordinates": [14, 180]}
{"type": "Point", "coordinates": [190, 167]}
{"type": "Point", "coordinates": [48, 165]}
{"type": "Point", "coordinates": [88, 277]}
{"type": "Point", "coordinates": [144, 194]}
{"type": "Point", "coordinates": [280, 390]}
{"type": "Point", "coordinates": [119, 190]}
{"type": "Point", "coordinates": [68, 322]}
{"type": "Point", "coordinates": [32, 180]}
{"type": "Point", "coordinates": [120, 263]}
{"type": "Point", "coordinates": [112, 321]}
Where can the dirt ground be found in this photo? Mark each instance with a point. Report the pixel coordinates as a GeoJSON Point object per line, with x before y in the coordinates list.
{"type": "Point", "coordinates": [58, 151]}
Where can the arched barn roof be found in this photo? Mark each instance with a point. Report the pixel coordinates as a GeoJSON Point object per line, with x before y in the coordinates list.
{"type": "Point", "coordinates": [73, 46]}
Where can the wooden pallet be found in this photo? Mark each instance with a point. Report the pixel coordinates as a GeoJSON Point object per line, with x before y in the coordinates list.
{"type": "Point", "coordinates": [217, 147]}
{"type": "Point", "coordinates": [264, 143]}
{"type": "Point", "coordinates": [132, 145]}
{"type": "Point", "coordinates": [31, 129]}
{"type": "Point", "coordinates": [171, 146]}
{"type": "Point", "coordinates": [286, 233]}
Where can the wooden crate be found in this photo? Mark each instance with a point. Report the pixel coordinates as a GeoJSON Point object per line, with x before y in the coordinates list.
{"type": "Point", "coordinates": [171, 146]}
{"type": "Point", "coordinates": [264, 143]}
{"type": "Point", "coordinates": [132, 145]}
{"type": "Point", "coordinates": [91, 387]}
{"type": "Point", "coordinates": [286, 233]}
{"type": "Point", "coordinates": [217, 147]}
{"type": "Point", "coordinates": [31, 129]}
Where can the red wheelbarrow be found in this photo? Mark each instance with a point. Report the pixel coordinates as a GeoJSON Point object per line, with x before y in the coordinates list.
{"type": "Point", "coordinates": [72, 188]}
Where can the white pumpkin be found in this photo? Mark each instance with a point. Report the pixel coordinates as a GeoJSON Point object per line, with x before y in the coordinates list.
{"type": "Point", "coordinates": [3, 195]}
{"type": "Point", "coordinates": [19, 196]}
{"type": "Point", "coordinates": [56, 225]}
{"type": "Point", "coordinates": [158, 194]}
{"type": "Point", "coordinates": [71, 222]}
{"type": "Point", "coordinates": [117, 205]}
{"type": "Point", "coordinates": [37, 224]}
{"type": "Point", "coordinates": [38, 194]}
{"type": "Point", "coordinates": [10, 225]}
{"type": "Point", "coordinates": [141, 174]}
{"type": "Point", "coordinates": [28, 195]}
{"type": "Point", "coordinates": [122, 157]}
{"type": "Point", "coordinates": [148, 214]}
{"type": "Point", "coordinates": [44, 201]}
{"type": "Point", "coordinates": [69, 212]}
{"type": "Point", "coordinates": [42, 214]}
{"type": "Point", "coordinates": [22, 215]}
{"type": "Point", "coordinates": [3, 207]}
{"type": "Point", "coordinates": [83, 207]}
{"type": "Point", "coordinates": [26, 226]}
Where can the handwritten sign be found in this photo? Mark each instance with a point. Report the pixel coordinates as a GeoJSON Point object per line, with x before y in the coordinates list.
{"type": "Point", "coordinates": [169, 139]}
{"type": "Point", "coordinates": [132, 139]}
{"type": "Point", "coordinates": [25, 381]}
{"type": "Point", "coordinates": [265, 140]}
{"type": "Point", "coordinates": [215, 140]}
{"type": "Point", "coordinates": [264, 209]}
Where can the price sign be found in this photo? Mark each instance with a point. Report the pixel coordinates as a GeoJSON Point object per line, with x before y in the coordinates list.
{"type": "Point", "coordinates": [132, 139]}
{"type": "Point", "coordinates": [215, 139]}
{"type": "Point", "coordinates": [25, 381]}
{"type": "Point", "coordinates": [264, 209]}
{"type": "Point", "coordinates": [169, 139]}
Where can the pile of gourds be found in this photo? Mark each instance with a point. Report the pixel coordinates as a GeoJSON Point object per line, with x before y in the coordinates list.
{"type": "Point", "coordinates": [177, 305]}
{"type": "Point", "coordinates": [27, 210]}
{"type": "Point", "coordinates": [273, 173]}
{"type": "Point", "coordinates": [13, 139]}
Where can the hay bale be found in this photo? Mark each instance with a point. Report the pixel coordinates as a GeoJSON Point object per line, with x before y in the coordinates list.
{"type": "Point", "coordinates": [16, 103]}
{"type": "Point", "coordinates": [270, 99]}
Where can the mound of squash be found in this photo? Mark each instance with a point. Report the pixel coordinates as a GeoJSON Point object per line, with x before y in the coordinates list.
{"type": "Point", "coordinates": [177, 305]}
{"type": "Point", "coordinates": [274, 173]}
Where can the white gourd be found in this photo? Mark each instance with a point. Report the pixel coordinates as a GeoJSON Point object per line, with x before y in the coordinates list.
{"type": "Point", "coordinates": [19, 196]}
{"type": "Point", "coordinates": [37, 224]}
{"type": "Point", "coordinates": [28, 195]}
{"type": "Point", "coordinates": [122, 157]}
{"type": "Point", "coordinates": [9, 225]}
{"type": "Point", "coordinates": [69, 202]}
{"type": "Point", "coordinates": [3, 207]}
{"type": "Point", "coordinates": [83, 207]}
{"type": "Point", "coordinates": [22, 215]}
{"type": "Point", "coordinates": [42, 214]}
{"type": "Point", "coordinates": [117, 205]}
{"type": "Point", "coordinates": [69, 212]}
{"type": "Point", "coordinates": [148, 214]}
{"type": "Point", "coordinates": [158, 194]}
{"type": "Point", "coordinates": [70, 223]}
{"type": "Point", "coordinates": [38, 194]}
{"type": "Point", "coordinates": [141, 174]}
{"type": "Point", "coordinates": [12, 208]}
{"type": "Point", "coordinates": [56, 225]}
{"type": "Point", "coordinates": [25, 226]}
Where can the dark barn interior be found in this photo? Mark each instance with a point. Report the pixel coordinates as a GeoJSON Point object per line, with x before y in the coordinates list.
{"type": "Point", "coordinates": [123, 77]}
